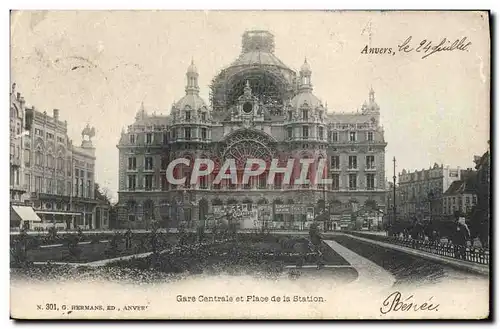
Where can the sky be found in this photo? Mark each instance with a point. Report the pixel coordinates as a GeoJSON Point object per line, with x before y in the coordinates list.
{"type": "Point", "coordinates": [434, 110]}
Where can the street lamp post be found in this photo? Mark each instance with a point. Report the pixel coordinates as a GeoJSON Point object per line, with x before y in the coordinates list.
{"type": "Point", "coordinates": [394, 188]}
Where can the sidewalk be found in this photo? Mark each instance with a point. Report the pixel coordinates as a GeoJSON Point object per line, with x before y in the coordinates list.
{"type": "Point", "coordinates": [382, 233]}
{"type": "Point", "coordinates": [464, 265]}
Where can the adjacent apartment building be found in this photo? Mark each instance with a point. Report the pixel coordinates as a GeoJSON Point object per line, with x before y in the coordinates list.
{"type": "Point", "coordinates": [52, 180]}
{"type": "Point", "coordinates": [420, 193]}
{"type": "Point", "coordinates": [461, 197]}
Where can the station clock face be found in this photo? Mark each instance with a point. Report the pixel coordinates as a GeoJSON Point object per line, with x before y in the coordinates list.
{"type": "Point", "coordinates": [247, 107]}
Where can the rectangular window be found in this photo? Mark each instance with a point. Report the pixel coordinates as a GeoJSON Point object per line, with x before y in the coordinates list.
{"type": "Point", "coordinates": [60, 187]}
{"type": "Point", "coordinates": [204, 133]}
{"type": "Point", "coordinates": [278, 180]}
{"type": "Point", "coordinates": [165, 138]}
{"type": "Point", "coordinates": [203, 116]}
{"type": "Point", "coordinates": [305, 131]}
{"type": "Point", "coordinates": [38, 184]}
{"type": "Point", "coordinates": [370, 162]}
{"type": "Point", "coordinates": [38, 132]}
{"type": "Point", "coordinates": [164, 163]}
{"type": "Point", "coordinates": [188, 115]}
{"type": "Point", "coordinates": [148, 163]}
{"type": "Point", "coordinates": [148, 182]}
{"type": "Point", "coordinates": [132, 138]}
{"type": "Point", "coordinates": [335, 181]}
{"type": "Point", "coordinates": [76, 187]}
{"type": "Point", "coordinates": [187, 133]}
{"type": "Point", "coordinates": [370, 181]}
{"type": "Point", "coordinates": [89, 189]}
{"type": "Point", "coordinates": [320, 133]}
{"type": "Point", "coordinates": [352, 181]}
{"type": "Point", "coordinates": [335, 136]}
{"type": "Point", "coordinates": [149, 138]}
{"type": "Point", "coordinates": [27, 158]}
{"type": "Point", "coordinates": [467, 200]}
{"type": "Point", "coordinates": [369, 136]}
{"type": "Point", "coordinates": [290, 115]}
{"type": "Point", "coordinates": [49, 186]}
{"type": "Point", "coordinates": [27, 181]}
{"type": "Point", "coordinates": [164, 183]}
{"type": "Point", "coordinates": [353, 162]}
{"type": "Point", "coordinates": [352, 136]}
{"type": "Point", "coordinates": [132, 163]}
{"type": "Point", "coordinates": [262, 181]}
{"type": "Point", "coordinates": [82, 187]}
{"type": "Point", "coordinates": [203, 182]}
{"type": "Point", "coordinates": [132, 182]}
{"type": "Point", "coordinates": [289, 132]}
{"type": "Point", "coordinates": [50, 136]}
{"type": "Point", "coordinates": [335, 162]}
{"type": "Point", "coordinates": [305, 114]}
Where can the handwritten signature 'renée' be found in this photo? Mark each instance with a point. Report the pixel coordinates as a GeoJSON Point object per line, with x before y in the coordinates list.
{"type": "Point", "coordinates": [395, 303]}
{"type": "Point", "coordinates": [428, 47]}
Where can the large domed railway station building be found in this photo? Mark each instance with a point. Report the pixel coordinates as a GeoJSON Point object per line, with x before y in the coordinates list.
{"type": "Point", "coordinates": [258, 108]}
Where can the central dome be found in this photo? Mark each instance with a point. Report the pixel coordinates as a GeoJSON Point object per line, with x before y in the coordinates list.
{"type": "Point", "coordinates": [271, 80]}
{"type": "Point", "coordinates": [258, 49]}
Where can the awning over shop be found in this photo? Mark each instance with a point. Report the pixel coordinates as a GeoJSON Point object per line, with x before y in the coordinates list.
{"type": "Point", "coordinates": [26, 213]}
{"type": "Point", "coordinates": [59, 213]}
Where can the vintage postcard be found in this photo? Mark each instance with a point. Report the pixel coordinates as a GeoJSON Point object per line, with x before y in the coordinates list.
{"type": "Point", "coordinates": [250, 165]}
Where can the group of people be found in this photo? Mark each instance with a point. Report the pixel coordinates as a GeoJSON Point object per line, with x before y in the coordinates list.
{"type": "Point", "coordinates": [457, 233]}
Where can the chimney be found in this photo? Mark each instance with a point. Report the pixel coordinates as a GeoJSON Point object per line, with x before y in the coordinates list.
{"type": "Point", "coordinates": [56, 114]}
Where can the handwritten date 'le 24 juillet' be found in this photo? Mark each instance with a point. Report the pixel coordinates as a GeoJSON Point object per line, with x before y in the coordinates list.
{"type": "Point", "coordinates": [425, 47]}
{"type": "Point", "coordinates": [395, 302]}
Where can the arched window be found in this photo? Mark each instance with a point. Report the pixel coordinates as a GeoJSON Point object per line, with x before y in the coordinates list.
{"type": "Point", "coordinates": [50, 161]}
{"type": "Point", "coordinates": [148, 210]}
{"type": "Point", "coordinates": [131, 210]}
{"type": "Point", "coordinates": [38, 158]}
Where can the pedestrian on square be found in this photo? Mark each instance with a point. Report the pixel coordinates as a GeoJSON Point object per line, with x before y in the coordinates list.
{"type": "Point", "coordinates": [128, 238]}
{"type": "Point", "coordinates": [460, 237]}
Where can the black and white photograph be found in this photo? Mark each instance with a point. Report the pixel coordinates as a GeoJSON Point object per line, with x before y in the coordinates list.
{"type": "Point", "coordinates": [206, 164]}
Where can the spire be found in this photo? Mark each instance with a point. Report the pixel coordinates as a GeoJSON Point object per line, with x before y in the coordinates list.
{"type": "Point", "coordinates": [141, 114]}
{"type": "Point", "coordinates": [371, 106]}
{"type": "Point", "coordinates": [192, 80]}
{"type": "Point", "coordinates": [305, 67]}
{"type": "Point", "coordinates": [371, 96]}
{"type": "Point", "coordinates": [305, 77]}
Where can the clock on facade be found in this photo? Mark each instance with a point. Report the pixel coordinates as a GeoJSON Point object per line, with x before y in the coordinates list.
{"type": "Point", "coordinates": [247, 108]}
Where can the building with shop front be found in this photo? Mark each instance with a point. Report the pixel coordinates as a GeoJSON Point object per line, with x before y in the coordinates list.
{"type": "Point", "coordinates": [258, 108]}
{"type": "Point", "coordinates": [420, 193]}
{"type": "Point", "coordinates": [57, 177]}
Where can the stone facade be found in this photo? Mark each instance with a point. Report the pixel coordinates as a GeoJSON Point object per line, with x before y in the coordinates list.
{"type": "Point", "coordinates": [259, 108]}
{"type": "Point", "coordinates": [18, 186]}
{"type": "Point", "coordinates": [57, 177]}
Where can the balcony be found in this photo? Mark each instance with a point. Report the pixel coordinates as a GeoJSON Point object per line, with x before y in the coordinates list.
{"type": "Point", "coordinates": [15, 161]}
{"type": "Point", "coordinates": [19, 187]}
